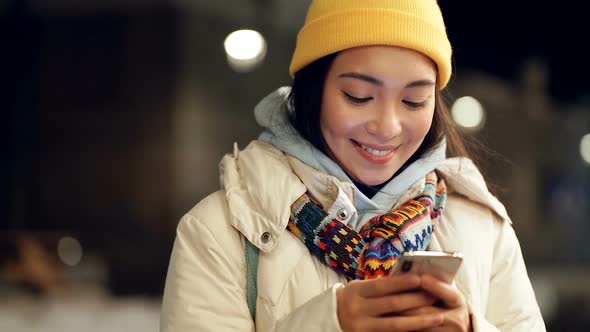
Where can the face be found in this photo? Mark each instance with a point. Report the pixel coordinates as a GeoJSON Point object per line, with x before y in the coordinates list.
{"type": "Point", "coordinates": [377, 107]}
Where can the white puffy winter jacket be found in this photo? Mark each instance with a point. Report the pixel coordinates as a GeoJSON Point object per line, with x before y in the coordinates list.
{"type": "Point", "coordinates": [206, 281]}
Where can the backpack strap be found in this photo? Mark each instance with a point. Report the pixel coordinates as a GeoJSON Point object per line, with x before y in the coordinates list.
{"type": "Point", "coordinates": [251, 277]}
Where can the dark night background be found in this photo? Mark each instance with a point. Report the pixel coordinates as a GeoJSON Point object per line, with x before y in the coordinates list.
{"type": "Point", "coordinates": [498, 36]}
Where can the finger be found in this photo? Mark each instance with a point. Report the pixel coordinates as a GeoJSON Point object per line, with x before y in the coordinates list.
{"type": "Point", "coordinates": [451, 319]}
{"type": "Point", "coordinates": [403, 323]}
{"type": "Point", "coordinates": [388, 285]}
{"type": "Point", "coordinates": [451, 297]}
{"type": "Point", "coordinates": [422, 311]}
{"type": "Point", "coordinates": [397, 303]}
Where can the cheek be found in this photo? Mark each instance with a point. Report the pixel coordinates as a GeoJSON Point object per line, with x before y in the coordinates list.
{"type": "Point", "coordinates": [335, 120]}
{"type": "Point", "coordinates": [421, 125]}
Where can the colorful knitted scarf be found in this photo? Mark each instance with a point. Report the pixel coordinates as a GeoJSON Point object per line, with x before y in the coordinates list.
{"type": "Point", "coordinates": [372, 252]}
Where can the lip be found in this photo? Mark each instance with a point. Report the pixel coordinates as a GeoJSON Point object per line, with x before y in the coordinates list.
{"type": "Point", "coordinates": [372, 158]}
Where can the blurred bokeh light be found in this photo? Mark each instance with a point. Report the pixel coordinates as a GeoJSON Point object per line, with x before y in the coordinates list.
{"type": "Point", "coordinates": [468, 113]}
{"type": "Point", "coordinates": [245, 49]}
{"type": "Point", "coordinates": [585, 149]}
{"type": "Point", "coordinates": [69, 251]}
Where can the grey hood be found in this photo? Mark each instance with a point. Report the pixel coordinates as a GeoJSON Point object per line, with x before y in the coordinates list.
{"type": "Point", "coordinates": [272, 114]}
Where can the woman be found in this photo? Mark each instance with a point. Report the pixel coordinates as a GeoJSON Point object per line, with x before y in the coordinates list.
{"type": "Point", "coordinates": [361, 138]}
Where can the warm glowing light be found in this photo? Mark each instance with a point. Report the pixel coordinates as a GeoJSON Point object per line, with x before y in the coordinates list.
{"type": "Point", "coordinates": [468, 113]}
{"type": "Point", "coordinates": [245, 49]}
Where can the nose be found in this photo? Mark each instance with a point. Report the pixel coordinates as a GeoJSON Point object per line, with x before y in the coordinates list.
{"type": "Point", "coordinates": [385, 124]}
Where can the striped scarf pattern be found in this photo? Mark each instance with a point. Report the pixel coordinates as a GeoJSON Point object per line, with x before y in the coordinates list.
{"type": "Point", "coordinates": [372, 252]}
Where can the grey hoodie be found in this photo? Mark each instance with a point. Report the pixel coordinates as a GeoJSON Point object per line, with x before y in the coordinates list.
{"type": "Point", "coordinates": [272, 114]}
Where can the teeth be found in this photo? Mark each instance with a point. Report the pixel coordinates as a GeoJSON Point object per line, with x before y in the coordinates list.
{"type": "Point", "coordinates": [378, 153]}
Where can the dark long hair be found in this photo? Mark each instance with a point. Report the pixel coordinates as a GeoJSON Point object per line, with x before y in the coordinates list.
{"type": "Point", "coordinates": [305, 102]}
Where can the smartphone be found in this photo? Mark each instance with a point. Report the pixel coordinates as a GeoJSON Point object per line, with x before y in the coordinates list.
{"type": "Point", "coordinates": [442, 265]}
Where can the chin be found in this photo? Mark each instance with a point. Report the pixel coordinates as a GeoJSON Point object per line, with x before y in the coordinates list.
{"type": "Point", "coordinates": [373, 181]}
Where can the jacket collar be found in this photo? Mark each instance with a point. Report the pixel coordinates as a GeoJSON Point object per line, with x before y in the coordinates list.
{"type": "Point", "coordinates": [260, 188]}
{"type": "Point", "coordinates": [261, 182]}
{"type": "Point", "coordinates": [322, 187]}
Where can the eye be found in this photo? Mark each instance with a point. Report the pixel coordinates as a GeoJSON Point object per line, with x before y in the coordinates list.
{"type": "Point", "coordinates": [415, 105]}
{"type": "Point", "coordinates": [357, 100]}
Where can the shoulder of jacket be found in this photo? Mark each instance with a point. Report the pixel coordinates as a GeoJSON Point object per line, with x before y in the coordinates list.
{"type": "Point", "coordinates": [212, 214]}
{"type": "Point", "coordinates": [464, 208]}
{"type": "Point", "coordinates": [206, 229]}
{"type": "Point", "coordinates": [464, 178]}
{"type": "Point", "coordinates": [213, 204]}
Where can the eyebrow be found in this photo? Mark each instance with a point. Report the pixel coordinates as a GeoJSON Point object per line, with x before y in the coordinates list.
{"type": "Point", "coordinates": [376, 81]}
{"type": "Point", "coordinates": [362, 77]}
{"type": "Point", "coordinates": [419, 83]}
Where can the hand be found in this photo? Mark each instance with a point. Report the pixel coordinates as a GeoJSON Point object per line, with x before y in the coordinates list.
{"type": "Point", "coordinates": [451, 305]}
{"type": "Point", "coordinates": [376, 305]}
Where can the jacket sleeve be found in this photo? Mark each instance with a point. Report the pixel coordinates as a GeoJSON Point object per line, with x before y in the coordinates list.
{"type": "Point", "coordinates": [205, 289]}
{"type": "Point", "coordinates": [512, 305]}
{"type": "Point", "coordinates": [316, 315]}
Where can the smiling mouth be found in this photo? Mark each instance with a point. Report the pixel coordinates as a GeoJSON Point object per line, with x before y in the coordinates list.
{"type": "Point", "coordinates": [372, 151]}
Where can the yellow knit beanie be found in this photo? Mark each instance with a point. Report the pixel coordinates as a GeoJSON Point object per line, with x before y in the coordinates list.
{"type": "Point", "coordinates": [335, 25]}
